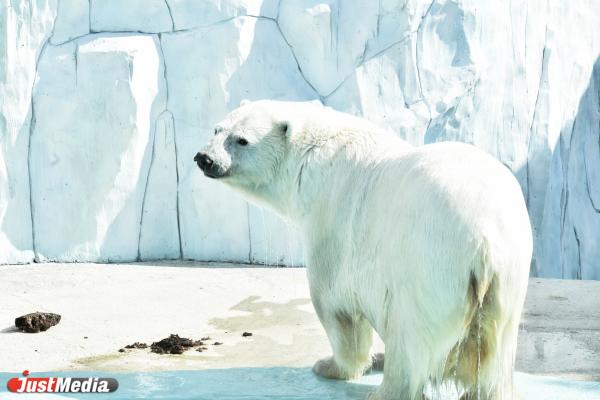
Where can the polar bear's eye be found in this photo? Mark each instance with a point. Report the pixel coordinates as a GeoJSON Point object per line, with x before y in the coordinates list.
{"type": "Point", "coordinates": [242, 142]}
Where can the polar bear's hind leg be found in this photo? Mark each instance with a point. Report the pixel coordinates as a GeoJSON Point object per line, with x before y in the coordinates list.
{"type": "Point", "coordinates": [482, 362]}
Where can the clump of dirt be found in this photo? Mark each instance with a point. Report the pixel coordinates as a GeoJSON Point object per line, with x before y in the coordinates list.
{"type": "Point", "coordinates": [172, 345]}
{"type": "Point", "coordinates": [137, 345]}
{"type": "Point", "coordinates": [37, 322]}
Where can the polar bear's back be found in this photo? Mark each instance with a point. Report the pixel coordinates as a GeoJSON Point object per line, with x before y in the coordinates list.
{"type": "Point", "coordinates": [435, 206]}
{"type": "Point", "coordinates": [463, 178]}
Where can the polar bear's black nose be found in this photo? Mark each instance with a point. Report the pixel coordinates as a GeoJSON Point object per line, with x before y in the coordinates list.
{"type": "Point", "coordinates": [203, 161]}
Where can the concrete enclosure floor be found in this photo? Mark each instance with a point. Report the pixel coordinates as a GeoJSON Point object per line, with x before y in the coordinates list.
{"type": "Point", "coordinates": [107, 306]}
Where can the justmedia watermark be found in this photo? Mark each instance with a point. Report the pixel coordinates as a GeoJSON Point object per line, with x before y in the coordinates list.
{"type": "Point", "coordinates": [28, 384]}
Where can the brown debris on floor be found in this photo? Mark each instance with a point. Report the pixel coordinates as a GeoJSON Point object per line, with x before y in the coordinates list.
{"type": "Point", "coordinates": [172, 345]}
{"type": "Point", "coordinates": [137, 345]}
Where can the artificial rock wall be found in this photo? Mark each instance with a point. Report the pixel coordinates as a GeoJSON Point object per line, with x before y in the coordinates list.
{"type": "Point", "coordinates": [103, 104]}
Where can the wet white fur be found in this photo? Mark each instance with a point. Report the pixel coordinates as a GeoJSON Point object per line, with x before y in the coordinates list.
{"type": "Point", "coordinates": [393, 237]}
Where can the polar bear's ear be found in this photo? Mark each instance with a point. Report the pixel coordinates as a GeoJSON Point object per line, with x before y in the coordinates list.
{"type": "Point", "coordinates": [244, 102]}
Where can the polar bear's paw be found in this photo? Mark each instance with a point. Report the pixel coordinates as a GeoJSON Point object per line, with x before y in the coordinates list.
{"type": "Point", "coordinates": [328, 368]}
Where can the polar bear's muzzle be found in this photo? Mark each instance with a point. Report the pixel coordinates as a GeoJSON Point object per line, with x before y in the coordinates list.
{"type": "Point", "coordinates": [210, 168]}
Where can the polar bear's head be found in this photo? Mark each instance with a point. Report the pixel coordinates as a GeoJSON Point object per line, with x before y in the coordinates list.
{"type": "Point", "coordinates": [281, 154]}
{"type": "Point", "coordinates": [248, 146]}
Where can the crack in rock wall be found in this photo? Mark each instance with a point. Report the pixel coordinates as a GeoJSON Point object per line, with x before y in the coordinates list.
{"type": "Point", "coordinates": [104, 104]}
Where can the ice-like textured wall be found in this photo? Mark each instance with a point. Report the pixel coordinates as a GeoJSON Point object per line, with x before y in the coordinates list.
{"type": "Point", "coordinates": [105, 102]}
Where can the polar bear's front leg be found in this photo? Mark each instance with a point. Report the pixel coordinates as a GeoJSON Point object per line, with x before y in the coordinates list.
{"type": "Point", "coordinates": [350, 336]}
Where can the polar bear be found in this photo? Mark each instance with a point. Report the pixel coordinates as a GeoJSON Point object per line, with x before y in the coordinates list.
{"type": "Point", "coordinates": [430, 246]}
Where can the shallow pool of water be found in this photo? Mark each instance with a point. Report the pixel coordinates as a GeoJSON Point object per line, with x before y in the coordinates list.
{"type": "Point", "coordinates": [277, 383]}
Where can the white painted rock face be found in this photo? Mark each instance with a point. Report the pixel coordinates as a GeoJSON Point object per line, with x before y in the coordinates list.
{"type": "Point", "coordinates": [329, 38]}
{"type": "Point", "coordinates": [147, 16]}
{"type": "Point", "coordinates": [241, 59]}
{"type": "Point", "coordinates": [94, 107]}
{"type": "Point", "coordinates": [118, 115]}
{"type": "Point", "coordinates": [159, 231]}
{"type": "Point", "coordinates": [24, 28]}
{"type": "Point", "coordinates": [392, 75]}
{"type": "Point", "coordinates": [190, 14]}
{"type": "Point", "coordinates": [73, 20]}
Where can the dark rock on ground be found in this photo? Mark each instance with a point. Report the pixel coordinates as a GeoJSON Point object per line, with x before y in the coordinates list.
{"type": "Point", "coordinates": [37, 322]}
{"type": "Point", "coordinates": [246, 334]}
